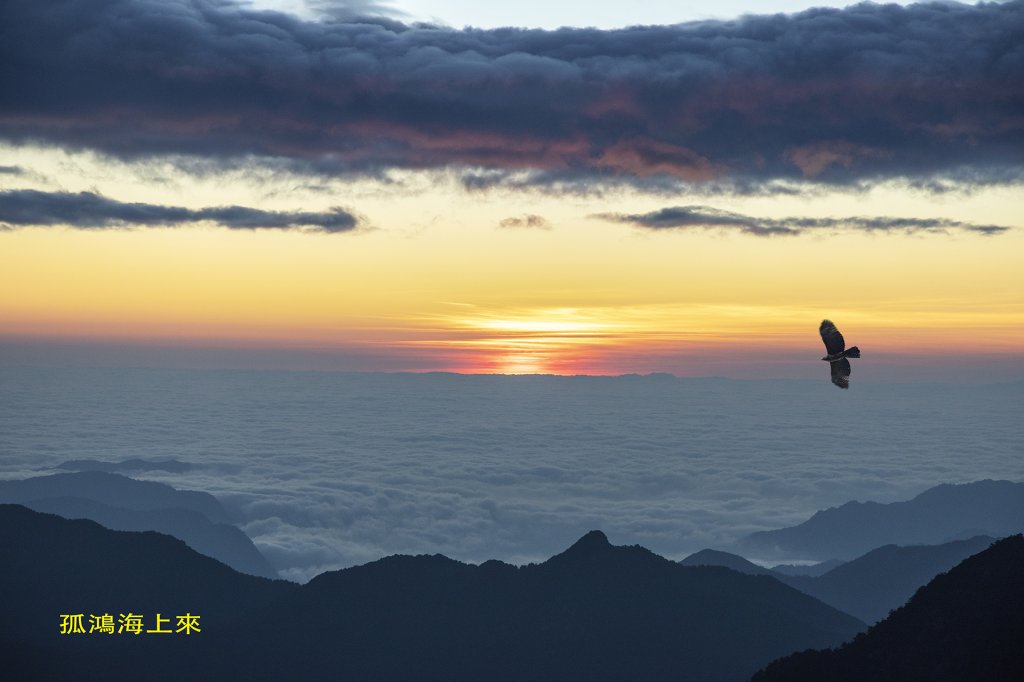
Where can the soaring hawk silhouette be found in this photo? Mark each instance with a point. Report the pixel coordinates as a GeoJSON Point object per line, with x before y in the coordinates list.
{"type": "Point", "coordinates": [837, 353]}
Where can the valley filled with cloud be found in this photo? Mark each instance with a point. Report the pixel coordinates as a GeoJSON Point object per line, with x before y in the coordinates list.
{"type": "Point", "coordinates": [327, 470]}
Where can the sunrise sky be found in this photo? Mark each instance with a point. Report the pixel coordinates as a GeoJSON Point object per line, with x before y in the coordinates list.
{"type": "Point", "coordinates": [342, 186]}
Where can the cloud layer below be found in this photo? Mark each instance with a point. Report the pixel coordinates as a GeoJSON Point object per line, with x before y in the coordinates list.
{"type": "Point", "coordinates": [330, 470]}
{"type": "Point", "coordinates": [831, 96]}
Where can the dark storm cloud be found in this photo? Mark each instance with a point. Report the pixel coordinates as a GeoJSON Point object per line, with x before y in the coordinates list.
{"type": "Point", "coordinates": [595, 183]}
{"type": "Point", "coordinates": [86, 210]}
{"type": "Point", "coordinates": [707, 218]}
{"type": "Point", "coordinates": [11, 170]}
{"type": "Point", "coordinates": [836, 97]}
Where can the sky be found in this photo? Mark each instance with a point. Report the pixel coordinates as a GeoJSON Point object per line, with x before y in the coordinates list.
{"type": "Point", "coordinates": [416, 186]}
{"type": "Point", "coordinates": [541, 14]}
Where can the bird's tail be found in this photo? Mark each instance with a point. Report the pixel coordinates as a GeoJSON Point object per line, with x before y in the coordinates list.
{"type": "Point", "coordinates": [852, 352]}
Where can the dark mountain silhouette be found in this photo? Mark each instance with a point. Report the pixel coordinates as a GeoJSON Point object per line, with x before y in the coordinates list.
{"type": "Point", "coordinates": [51, 566]}
{"type": "Point", "coordinates": [993, 508]}
{"type": "Point", "coordinates": [593, 612]}
{"type": "Point", "coordinates": [713, 557]}
{"type": "Point", "coordinates": [867, 587]}
{"type": "Point", "coordinates": [870, 586]}
{"type": "Point", "coordinates": [122, 503]}
{"type": "Point", "coordinates": [114, 490]}
{"type": "Point", "coordinates": [819, 568]}
{"type": "Point", "coordinates": [221, 541]}
{"type": "Point", "coordinates": [967, 624]}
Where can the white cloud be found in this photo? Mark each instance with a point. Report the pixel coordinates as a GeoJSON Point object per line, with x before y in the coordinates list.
{"type": "Point", "coordinates": [331, 470]}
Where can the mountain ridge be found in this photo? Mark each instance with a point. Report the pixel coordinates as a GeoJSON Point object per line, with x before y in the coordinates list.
{"type": "Point", "coordinates": [596, 610]}
{"type": "Point", "coordinates": [869, 586]}
{"type": "Point", "coordinates": [966, 624]}
{"type": "Point", "coordinates": [945, 511]}
{"type": "Point", "coordinates": [115, 489]}
{"type": "Point", "coordinates": [123, 503]}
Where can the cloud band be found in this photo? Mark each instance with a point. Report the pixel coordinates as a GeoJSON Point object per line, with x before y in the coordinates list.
{"type": "Point", "coordinates": [708, 218]}
{"type": "Point", "coordinates": [834, 96]}
{"type": "Point", "coordinates": [87, 210]}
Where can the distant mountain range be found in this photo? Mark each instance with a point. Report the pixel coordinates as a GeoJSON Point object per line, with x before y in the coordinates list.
{"type": "Point", "coordinates": [939, 514]}
{"type": "Point", "coordinates": [122, 503]}
{"type": "Point", "coordinates": [813, 569]}
{"type": "Point", "coordinates": [965, 625]}
{"type": "Point", "coordinates": [872, 585]}
{"type": "Point", "coordinates": [114, 490]}
{"type": "Point", "coordinates": [869, 586]}
{"type": "Point", "coordinates": [714, 557]}
{"type": "Point", "coordinates": [594, 612]}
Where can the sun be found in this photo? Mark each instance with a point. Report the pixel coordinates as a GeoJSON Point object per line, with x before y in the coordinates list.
{"type": "Point", "coordinates": [544, 341]}
{"type": "Point", "coordinates": [522, 363]}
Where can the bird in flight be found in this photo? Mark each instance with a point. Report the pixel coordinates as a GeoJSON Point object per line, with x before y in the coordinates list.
{"type": "Point", "coordinates": [837, 351]}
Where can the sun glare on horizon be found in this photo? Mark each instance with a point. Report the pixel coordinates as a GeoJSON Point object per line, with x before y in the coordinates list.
{"type": "Point", "coordinates": [549, 341]}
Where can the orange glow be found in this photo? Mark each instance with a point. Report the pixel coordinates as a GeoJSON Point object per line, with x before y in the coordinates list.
{"type": "Point", "coordinates": [436, 284]}
{"type": "Point", "coordinates": [648, 338]}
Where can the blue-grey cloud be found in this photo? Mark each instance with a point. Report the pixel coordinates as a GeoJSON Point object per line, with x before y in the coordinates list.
{"type": "Point", "coordinates": [11, 170]}
{"type": "Point", "coordinates": [871, 92]}
{"type": "Point", "coordinates": [708, 218]}
{"type": "Point", "coordinates": [87, 210]}
{"type": "Point", "coordinates": [514, 468]}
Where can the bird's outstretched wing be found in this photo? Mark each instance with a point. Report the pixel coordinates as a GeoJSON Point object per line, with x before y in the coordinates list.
{"type": "Point", "coordinates": [840, 373]}
{"type": "Point", "coordinates": [834, 342]}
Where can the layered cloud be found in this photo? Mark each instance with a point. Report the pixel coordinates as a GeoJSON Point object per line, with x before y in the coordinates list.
{"type": "Point", "coordinates": [327, 470]}
{"type": "Point", "coordinates": [931, 91]}
{"type": "Point", "coordinates": [88, 210]}
{"type": "Point", "coordinates": [708, 218]}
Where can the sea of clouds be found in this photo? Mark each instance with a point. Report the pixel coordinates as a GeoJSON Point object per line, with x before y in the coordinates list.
{"type": "Point", "coordinates": [327, 470]}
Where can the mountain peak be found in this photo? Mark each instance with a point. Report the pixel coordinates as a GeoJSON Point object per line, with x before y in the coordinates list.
{"type": "Point", "coordinates": [595, 539]}
{"type": "Point", "coordinates": [589, 547]}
